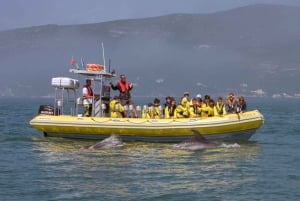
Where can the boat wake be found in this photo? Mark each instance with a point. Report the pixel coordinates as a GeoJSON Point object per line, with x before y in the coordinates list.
{"type": "Point", "coordinates": [198, 142]}
{"type": "Point", "coordinates": [229, 146]}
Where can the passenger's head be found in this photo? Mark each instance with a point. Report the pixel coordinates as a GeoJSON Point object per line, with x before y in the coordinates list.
{"type": "Point", "coordinates": [156, 102]}
{"type": "Point", "coordinates": [211, 103]}
{"type": "Point", "coordinates": [194, 101]}
{"type": "Point", "coordinates": [206, 98]}
{"type": "Point", "coordinates": [186, 94]}
{"type": "Point", "coordinates": [241, 100]}
{"type": "Point", "coordinates": [198, 96]}
{"type": "Point", "coordinates": [172, 101]}
{"type": "Point", "coordinates": [88, 82]}
{"type": "Point", "coordinates": [123, 78]}
{"type": "Point", "coordinates": [231, 96]}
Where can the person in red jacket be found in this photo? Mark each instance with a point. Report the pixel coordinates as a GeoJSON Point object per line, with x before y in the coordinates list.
{"type": "Point", "coordinates": [124, 88]}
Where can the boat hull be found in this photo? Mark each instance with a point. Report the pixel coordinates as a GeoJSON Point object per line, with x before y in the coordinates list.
{"type": "Point", "coordinates": [232, 127]}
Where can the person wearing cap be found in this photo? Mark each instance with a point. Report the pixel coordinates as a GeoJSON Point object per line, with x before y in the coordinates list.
{"type": "Point", "coordinates": [124, 88]}
{"type": "Point", "coordinates": [116, 109]}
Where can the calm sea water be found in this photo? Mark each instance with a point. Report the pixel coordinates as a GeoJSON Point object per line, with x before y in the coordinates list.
{"type": "Point", "coordinates": [33, 167]}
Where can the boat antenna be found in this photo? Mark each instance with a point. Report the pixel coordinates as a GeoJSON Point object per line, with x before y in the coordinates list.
{"type": "Point", "coordinates": [103, 57]}
{"type": "Point", "coordinates": [109, 65]}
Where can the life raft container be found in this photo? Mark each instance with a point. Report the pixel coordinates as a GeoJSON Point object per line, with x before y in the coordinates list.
{"type": "Point", "coordinates": [94, 67]}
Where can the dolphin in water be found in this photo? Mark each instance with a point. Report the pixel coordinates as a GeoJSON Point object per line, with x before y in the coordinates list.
{"type": "Point", "coordinates": [108, 143]}
{"type": "Point", "coordinates": [195, 142]}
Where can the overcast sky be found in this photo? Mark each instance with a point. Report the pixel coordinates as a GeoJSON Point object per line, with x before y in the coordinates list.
{"type": "Point", "coordinates": [26, 13]}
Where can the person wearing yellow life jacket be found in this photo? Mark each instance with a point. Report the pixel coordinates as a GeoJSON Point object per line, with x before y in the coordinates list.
{"type": "Point", "coordinates": [194, 110]}
{"type": "Point", "coordinates": [205, 106]}
{"type": "Point", "coordinates": [156, 110]}
{"type": "Point", "coordinates": [170, 109]}
{"type": "Point", "coordinates": [147, 112]}
{"type": "Point", "coordinates": [220, 108]}
{"type": "Point", "coordinates": [124, 88]}
{"type": "Point", "coordinates": [185, 98]}
{"type": "Point", "coordinates": [181, 110]}
{"type": "Point", "coordinates": [116, 109]}
{"type": "Point", "coordinates": [211, 105]}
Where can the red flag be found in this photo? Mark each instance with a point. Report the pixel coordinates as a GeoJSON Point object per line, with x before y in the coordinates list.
{"type": "Point", "coordinates": [73, 62]}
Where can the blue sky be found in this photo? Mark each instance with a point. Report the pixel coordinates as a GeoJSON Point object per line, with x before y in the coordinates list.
{"type": "Point", "coordinates": [26, 13]}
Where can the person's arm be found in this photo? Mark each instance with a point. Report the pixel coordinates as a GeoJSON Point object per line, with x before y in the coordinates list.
{"type": "Point", "coordinates": [114, 87]}
{"type": "Point", "coordinates": [130, 86]}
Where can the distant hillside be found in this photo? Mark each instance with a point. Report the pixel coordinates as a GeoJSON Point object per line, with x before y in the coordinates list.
{"type": "Point", "coordinates": [241, 50]}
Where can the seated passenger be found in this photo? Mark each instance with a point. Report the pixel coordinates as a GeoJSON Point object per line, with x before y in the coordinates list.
{"type": "Point", "coordinates": [156, 109]}
{"type": "Point", "coordinates": [148, 111]}
{"type": "Point", "coordinates": [231, 103]}
{"type": "Point", "coordinates": [181, 110]}
{"type": "Point", "coordinates": [199, 100]}
{"type": "Point", "coordinates": [167, 103]}
{"type": "Point", "coordinates": [185, 97]}
{"type": "Point", "coordinates": [211, 106]}
{"type": "Point", "coordinates": [219, 108]}
{"type": "Point", "coordinates": [205, 106]}
{"type": "Point", "coordinates": [170, 109]}
{"type": "Point", "coordinates": [241, 106]}
{"type": "Point", "coordinates": [194, 109]}
{"type": "Point", "coordinates": [116, 108]}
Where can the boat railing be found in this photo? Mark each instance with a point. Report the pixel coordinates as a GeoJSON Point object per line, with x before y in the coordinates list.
{"type": "Point", "coordinates": [100, 84]}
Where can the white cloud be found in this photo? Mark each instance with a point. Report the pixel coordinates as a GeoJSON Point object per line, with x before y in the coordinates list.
{"type": "Point", "coordinates": [259, 92]}
{"type": "Point", "coordinates": [160, 80]}
{"type": "Point", "coordinates": [201, 84]}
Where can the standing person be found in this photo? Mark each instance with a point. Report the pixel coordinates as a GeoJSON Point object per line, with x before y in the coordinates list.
{"type": "Point", "coordinates": [125, 98]}
{"type": "Point", "coordinates": [87, 93]}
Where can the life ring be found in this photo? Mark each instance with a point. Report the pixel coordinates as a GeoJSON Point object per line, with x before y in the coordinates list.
{"type": "Point", "coordinates": [94, 67]}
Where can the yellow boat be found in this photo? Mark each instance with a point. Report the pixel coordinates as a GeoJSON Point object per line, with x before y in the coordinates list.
{"type": "Point", "coordinates": [53, 121]}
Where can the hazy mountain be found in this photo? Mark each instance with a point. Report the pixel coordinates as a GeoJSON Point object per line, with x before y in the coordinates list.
{"type": "Point", "coordinates": [244, 49]}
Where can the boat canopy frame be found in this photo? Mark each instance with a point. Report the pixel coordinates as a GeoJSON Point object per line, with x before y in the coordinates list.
{"type": "Point", "coordinates": [100, 106]}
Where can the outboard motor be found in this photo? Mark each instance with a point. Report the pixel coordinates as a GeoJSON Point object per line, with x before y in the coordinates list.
{"type": "Point", "coordinates": [48, 110]}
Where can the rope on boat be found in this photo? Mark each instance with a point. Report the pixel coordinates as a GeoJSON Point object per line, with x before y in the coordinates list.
{"type": "Point", "coordinates": [101, 121]}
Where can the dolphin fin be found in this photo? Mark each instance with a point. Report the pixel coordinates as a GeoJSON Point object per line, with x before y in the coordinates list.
{"type": "Point", "coordinates": [199, 137]}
